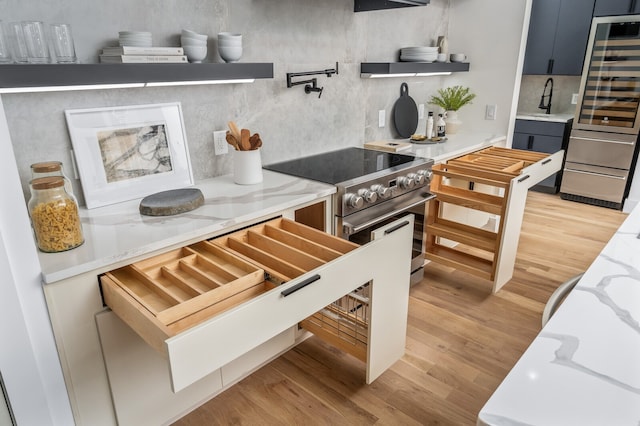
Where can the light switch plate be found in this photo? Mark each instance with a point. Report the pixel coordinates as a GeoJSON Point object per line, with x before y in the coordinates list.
{"type": "Point", "coordinates": [574, 99]}
{"type": "Point", "coordinates": [220, 144]}
{"type": "Point", "coordinates": [381, 118]}
{"type": "Point", "coordinates": [420, 111]}
{"type": "Point", "coordinates": [490, 112]}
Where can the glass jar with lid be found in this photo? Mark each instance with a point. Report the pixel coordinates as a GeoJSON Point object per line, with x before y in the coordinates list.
{"type": "Point", "coordinates": [54, 215]}
{"type": "Point", "coordinates": [50, 168]}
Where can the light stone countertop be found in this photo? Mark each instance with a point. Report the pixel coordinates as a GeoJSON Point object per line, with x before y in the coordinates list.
{"type": "Point", "coordinates": [584, 366]}
{"type": "Point", "coordinates": [537, 116]}
{"type": "Point", "coordinates": [119, 232]}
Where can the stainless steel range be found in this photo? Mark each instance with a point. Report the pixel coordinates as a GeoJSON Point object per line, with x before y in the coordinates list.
{"type": "Point", "coordinates": [373, 188]}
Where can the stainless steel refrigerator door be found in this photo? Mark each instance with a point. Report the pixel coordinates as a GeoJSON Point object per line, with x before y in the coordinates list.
{"type": "Point", "coordinates": [601, 149]}
{"type": "Point", "coordinates": [599, 183]}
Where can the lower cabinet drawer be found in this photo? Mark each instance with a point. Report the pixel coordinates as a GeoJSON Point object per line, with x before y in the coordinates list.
{"type": "Point", "coordinates": [207, 304]}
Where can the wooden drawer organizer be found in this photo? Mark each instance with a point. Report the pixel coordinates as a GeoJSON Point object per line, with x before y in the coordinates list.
{"type": "Point", "coordinates": [477, 249]}
{"type": "Point", "coordinates": [165, 295]}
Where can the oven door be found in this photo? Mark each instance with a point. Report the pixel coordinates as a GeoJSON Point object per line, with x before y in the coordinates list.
{"type": "Point", "coordinates": [357, 227]}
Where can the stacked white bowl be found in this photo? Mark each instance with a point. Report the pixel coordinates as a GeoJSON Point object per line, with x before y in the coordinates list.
{"type": "Point", "coordinates": [230, 46]}
{"type": "Point", "coordinates": [194, 45]}
{"type": "Point", "coordinates": [419, 54]}
{"type": "Point", "coordinates": [134, 38]}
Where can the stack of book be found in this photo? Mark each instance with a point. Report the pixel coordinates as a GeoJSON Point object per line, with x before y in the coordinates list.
{"type": "Point", "coordinates": [142, 55]}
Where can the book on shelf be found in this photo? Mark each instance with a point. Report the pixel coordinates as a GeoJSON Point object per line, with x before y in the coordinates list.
{"type": "Point", "coordinates": [136, 50]}
{"type": "Point", "coordinates": [143, 59]}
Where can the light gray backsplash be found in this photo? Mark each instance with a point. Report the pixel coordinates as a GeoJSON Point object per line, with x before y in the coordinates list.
{"type": "Point", "coordinates": [294, 35]}
{"type": "Point", "coordinates": [564, 86]}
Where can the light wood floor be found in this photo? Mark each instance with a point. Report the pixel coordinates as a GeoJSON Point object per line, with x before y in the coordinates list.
{"type": "Point", "coordinates": [461, 340]}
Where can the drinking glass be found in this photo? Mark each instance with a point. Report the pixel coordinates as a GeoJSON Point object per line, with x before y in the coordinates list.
{"type": "Point", "coordinates": [36, 41]}
{"type": "Point", "coordinates": [5, 55]}
{"type": "Point", "coordinates": [63, 47]}
{"type": "Point", "coordinates": [17, 42]}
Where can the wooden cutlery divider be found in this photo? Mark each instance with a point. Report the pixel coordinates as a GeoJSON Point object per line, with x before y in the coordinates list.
{"type": "Point", "coordinates": [169, 293]}
{"type": "Point", "coordinates": [478, 181]}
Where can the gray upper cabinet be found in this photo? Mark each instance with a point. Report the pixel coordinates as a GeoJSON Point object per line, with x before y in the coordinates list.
{"type": "Point", "coordinates": [558, 35]}
{"type": "Point", "coordinates": [616, 7]}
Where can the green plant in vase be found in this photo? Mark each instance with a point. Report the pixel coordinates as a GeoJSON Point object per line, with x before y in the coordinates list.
{"type": "Point", "coordinates": [451, 99]}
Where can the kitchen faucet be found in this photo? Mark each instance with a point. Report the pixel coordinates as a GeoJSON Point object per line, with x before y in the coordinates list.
{"type": "Point", "coordinates": [546, 107]}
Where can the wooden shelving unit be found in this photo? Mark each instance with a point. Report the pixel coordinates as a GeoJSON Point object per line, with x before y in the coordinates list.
{"type": "Point", "coordinates": [480, 181]}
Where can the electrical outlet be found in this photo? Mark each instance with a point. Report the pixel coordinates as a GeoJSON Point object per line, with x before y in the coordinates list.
{"type": "Point", "coordinates": [490, 112]}
{"type": "Point", "coordinates": [220, 144]}
{"type": "Point", "coordinates": [381, 118]}
{"type": "Point", "coordinates": [574, 99]}
{"type": "Point", "coordinates": [420, 111]}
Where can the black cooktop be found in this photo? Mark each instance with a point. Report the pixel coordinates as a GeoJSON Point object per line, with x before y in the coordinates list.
{"type": "Point", "coordinates": [335, 167]}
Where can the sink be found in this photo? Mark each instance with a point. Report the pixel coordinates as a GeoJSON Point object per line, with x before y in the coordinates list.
{"type": "Point", "coordinates": [541, 116]}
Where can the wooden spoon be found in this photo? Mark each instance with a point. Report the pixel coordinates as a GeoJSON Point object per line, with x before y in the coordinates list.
{"type": "Point", "coordinates": [245, 144]}
{"type": "Point", "coordinates": [232, 141]}
{"type": "Point", "coordinates": [234, 130]}
{"type": "Point", "coordinates": [255, 140]}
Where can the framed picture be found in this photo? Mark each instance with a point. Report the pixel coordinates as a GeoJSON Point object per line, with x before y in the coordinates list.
{"type": "Point", "coordinates": [129, 152]}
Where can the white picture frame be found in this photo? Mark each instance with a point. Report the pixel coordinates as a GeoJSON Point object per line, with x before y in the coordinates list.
{"type": "Point", "coordinates": [128, 152]}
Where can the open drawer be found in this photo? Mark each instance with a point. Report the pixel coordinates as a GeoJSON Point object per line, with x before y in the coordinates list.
{"type": "Point", "coordinates": [206, 304]}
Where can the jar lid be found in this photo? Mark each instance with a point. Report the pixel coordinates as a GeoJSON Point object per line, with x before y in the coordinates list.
{"type": "Point", "coordinates": [47, 182]}
{"type": "Point", "coordinates": [47, 167]}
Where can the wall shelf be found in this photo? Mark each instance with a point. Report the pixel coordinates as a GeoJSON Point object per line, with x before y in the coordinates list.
{"type": "Point", "coordinates": [15, 78]}
{"type": "Point", "coordinates": [410, 69]}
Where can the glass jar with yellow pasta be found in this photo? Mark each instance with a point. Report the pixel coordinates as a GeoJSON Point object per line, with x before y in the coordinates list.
{"type": "Point", "coordinates": [54, 215]}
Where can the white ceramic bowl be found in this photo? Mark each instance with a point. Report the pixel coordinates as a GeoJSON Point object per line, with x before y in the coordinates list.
{"type": "Point", "coordinates": [229, 35]}
{"type": "Point", "coordinates": [230, 43]}
{"type": "Point", "coordinates": [188, 41]}
{"type": "Point", "coordinates": [195, 54]}
{"type": "Point", "coordinates": [193, 34]}
{"type": "Point", "coordinates": [230, 54]}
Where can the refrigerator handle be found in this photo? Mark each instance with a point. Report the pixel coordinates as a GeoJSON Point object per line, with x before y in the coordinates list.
{"type": "Point", "coordinates": [530, 142]}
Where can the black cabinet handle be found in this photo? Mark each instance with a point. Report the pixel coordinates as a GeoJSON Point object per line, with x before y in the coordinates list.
{"type": "Point", "coordinates": [523, 178]}
{"type": "Point", "coordinates": [530, 142]}
{"type": "Point", "coordinates": [632, 6]}
{"type": "Point", "coordinates": [300, 285]}
{"type": "Point", "coordinates": [550, 66]}
{"type": "Point", "coordinates": [548, 160]}
{"type": "Point", "coordinates": [395, 228]}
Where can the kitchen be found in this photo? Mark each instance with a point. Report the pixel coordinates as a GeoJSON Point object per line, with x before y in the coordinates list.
{"type": "Point", "coordinates": [324, 33]}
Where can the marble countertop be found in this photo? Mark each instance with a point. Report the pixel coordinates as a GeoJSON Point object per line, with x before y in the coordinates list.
{"type": "Point", "coordinates": [119, 232]}
{"type": "Point", "coordinates": [584, 366]}
{"type": "Point", "coordinates": [537, 116]}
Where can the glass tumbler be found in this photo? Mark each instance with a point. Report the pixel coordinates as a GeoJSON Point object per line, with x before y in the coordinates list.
{"type": "Point", "coordinates": [5, 55]}
{"type": "Point", "coordinates": [17, 42]}
{"type": "Point", "coordinates": [36, 41]}
{"type": "Point", "coordinates": [62, 41]}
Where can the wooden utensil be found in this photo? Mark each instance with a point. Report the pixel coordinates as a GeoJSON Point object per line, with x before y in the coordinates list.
{"type": "Point", "coordinates": [232, 141]}
{"type": "Point", "coordinates": [255, 141]}
{"type": "Point", "coordinates": [245, 144]}
{"type": "Point", "coordinates": [234, 130]}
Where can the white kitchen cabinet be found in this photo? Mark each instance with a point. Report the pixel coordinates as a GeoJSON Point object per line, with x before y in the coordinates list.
{"type": "Point", "coordinates": [114, 376]}
{"type": "Point", "coordinates": [496, 181]}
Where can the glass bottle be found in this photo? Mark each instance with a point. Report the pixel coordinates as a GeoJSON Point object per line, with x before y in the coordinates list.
{"type": "Point", "coordinates": [50, 168]}
{"type": "Point", "coordinates": [440, 126]}
{"type": "Point", "coordinates": [54, 215]}
{"type": "Point", "coordinates": [430, 125]}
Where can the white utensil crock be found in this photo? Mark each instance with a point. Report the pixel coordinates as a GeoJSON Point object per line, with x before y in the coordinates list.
{"type": "Point", "coordinates": [247, 167]}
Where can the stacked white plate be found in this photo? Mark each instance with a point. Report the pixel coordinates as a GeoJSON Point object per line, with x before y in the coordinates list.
{"type": "Point", "coordinates": [419, 54]}
{"type": "Point", "coordinates": [134, 38]}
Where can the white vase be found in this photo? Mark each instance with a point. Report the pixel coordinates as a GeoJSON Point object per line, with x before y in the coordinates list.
{"type": "Point", "coordinates": [452, 122]}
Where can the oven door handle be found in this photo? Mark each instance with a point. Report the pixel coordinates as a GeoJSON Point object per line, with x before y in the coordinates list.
{"type": "Point", "coordinates": [350, 228]}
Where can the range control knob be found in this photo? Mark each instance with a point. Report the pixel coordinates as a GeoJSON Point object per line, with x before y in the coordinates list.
{"type": "Point", "coordinates": [382, 191]}
{"type": "Point", "coordinates": [417, 178]}
{"type": "Point", "coordinates": [369, 196]}
{"type": "Point", "coordinates": [353, 200]}
{"type": "Point", "coordinates": [405, 182]}
{"type": "Point", "coordinates": [426, 173]}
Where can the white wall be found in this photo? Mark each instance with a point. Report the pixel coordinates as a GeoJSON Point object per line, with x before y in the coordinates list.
{"type": "Point", "coordinates": [492, 33]}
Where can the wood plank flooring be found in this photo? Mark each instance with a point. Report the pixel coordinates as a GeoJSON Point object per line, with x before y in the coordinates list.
{"type": "Point", "coordinates": [461, 340]}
